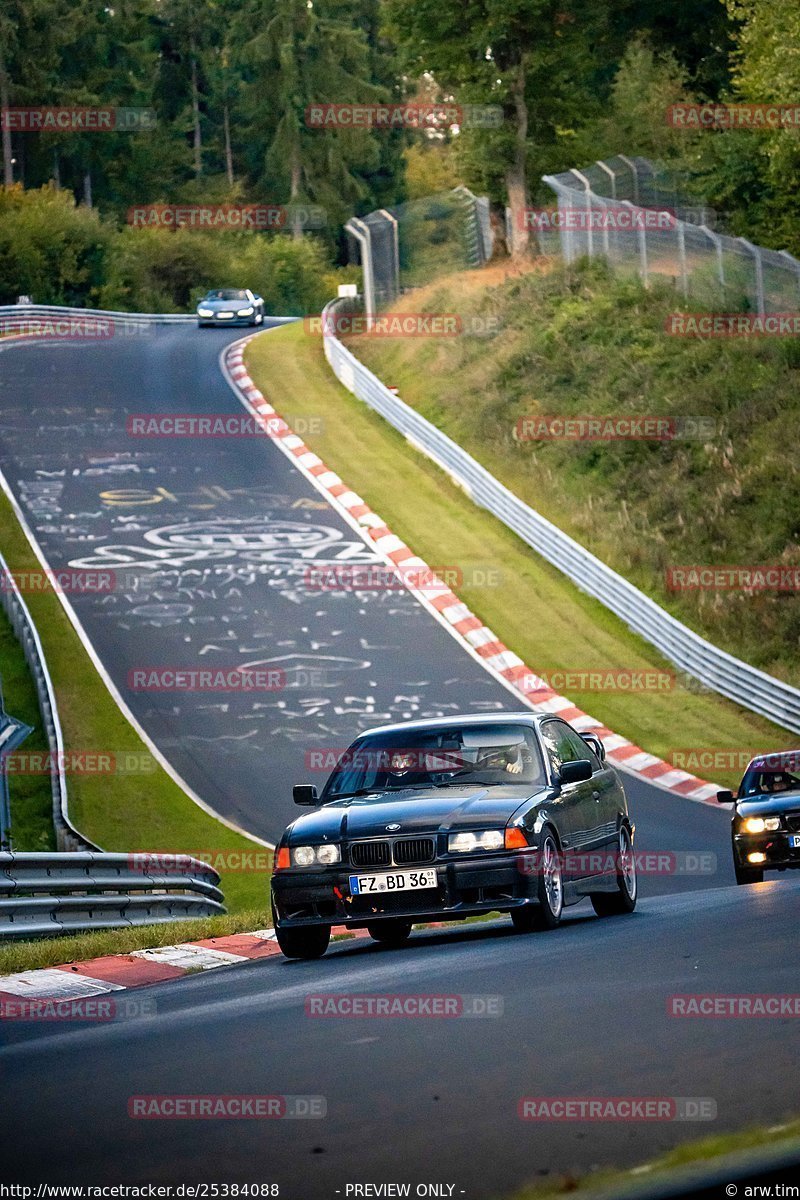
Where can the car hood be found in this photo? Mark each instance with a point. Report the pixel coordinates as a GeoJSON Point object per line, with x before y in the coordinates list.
{"type": "Point", "coordinates": [756, 806]}
{"type": "Point", "coordinates": [414, 811]}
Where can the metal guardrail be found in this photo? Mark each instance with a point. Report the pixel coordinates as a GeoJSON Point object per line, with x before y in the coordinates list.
{"type": "Point", "coordinates": [722, 672]}
{"type": "Point", "coordinates": [46, 894]}
{"type": "Point", "coordinates": [15, 608]}
{"type": "Point", "coordinates": [20, 312]}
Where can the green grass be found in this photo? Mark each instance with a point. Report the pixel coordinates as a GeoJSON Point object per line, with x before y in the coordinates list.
{"type": "Point", "coordinates": [536, 611]}
{"type": "Point", "coordinates": [720, 1150]}
{"type": "Point", "coordinates": [579, 342]}
{"type": "Point", "coordinates": [52, 952]}
{"type": "Point", "coordinates": [31, 804]}
{"type": "Point", "coordinates": [123, 812]}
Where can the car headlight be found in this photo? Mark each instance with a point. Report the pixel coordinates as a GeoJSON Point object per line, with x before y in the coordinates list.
{"type": "Point", "coordinates": [245, 312]}
{"type": "Point", "coordinates": [307, 856]}
{"type": "Point", "coordinates": [205, 312]}
{"type": "Point", "coordinates": [761, 824]}
{"type": "Point", "coordinates": [466, 843]}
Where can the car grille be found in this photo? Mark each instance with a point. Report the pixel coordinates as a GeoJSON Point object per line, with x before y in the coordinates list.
{"type": "Point", "coordinates": [793, 821]}
{"type": "Point", "coordinates": [414, 850]}
{"type": "Point", "coordinates": [370, 854]}
{"type": "Point", "coordinates": [403, 851]}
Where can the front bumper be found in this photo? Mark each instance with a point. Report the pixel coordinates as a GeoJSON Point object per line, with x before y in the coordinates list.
{"type": "Point", "coordinates": [218, 320]}
{"type": "Point", "coordinates": [316, 897]}
{"type": "Point", "coordinates": [776, 846]}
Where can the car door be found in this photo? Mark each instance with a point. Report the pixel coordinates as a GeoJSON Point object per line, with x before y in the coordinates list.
{"type": "Point", "coordinates": [575, 806]}
{"type": "Point", "coordinates": [600, 833]}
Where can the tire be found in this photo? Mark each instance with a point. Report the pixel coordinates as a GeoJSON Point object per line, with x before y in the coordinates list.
{"type": "Point", "coordinates": [623, 900]}
{"type": "Point", "coordinates": [390, 933]}
{"type": "Point", "coordinates": [746, 875]}
{"type": "Point", "coordinates": [304, 943]}
{"type": "Point", "coordinates": [546, 914]}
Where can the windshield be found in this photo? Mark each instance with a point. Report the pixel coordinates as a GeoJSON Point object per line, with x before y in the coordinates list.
{"type": "Point", "coordinates": [469, 756]}
{"type": "Point", "coordinates": [771, 775]}
{"type": "Point", "coordinates": [227, 294]}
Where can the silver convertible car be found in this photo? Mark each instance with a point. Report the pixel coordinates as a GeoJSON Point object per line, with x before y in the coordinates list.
{"type": "Point", "coordinates": [230, 306]}
{"type": "Point", "coordinates": [442, 819]}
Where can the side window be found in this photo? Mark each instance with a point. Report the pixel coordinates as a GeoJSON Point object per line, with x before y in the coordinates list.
{"type": "Point", "coordinates": [588, 752]}
{"type": "Point", "coordinates": [558, 748]}
{"type": "Point", "coordinates": [565, 745]}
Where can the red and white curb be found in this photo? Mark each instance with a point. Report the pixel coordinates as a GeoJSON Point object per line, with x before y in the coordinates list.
{"type": "Point", "coordinates": [118, 972]}
{"type": "Point", "coordinates": [474, 636]}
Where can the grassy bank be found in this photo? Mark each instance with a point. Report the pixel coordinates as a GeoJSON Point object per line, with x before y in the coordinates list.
{"type": "Point", "coordinates": [579, 342]}
{"type": "Point", "coordinates": [52, 952]}
{"type": "Point", "coordinates": [144, 811]}
{"type": "Point", "coordinates": [729, 1153]}
{"type": "Point", "coordinates": [31, 806]}
{"type": "Point", "coordinates": [527, 603]}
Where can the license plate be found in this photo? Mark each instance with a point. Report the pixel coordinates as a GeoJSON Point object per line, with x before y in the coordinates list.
{"type": "Point", "coordinates": [794, 841]}
{"type": "Point", "coordinates": [397, 881]}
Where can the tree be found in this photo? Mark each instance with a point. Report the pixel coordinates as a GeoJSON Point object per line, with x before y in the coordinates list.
{"type": "Point", "coordinates": [535, 58]}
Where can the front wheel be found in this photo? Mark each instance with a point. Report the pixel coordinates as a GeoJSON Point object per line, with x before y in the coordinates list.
{"type": "Point", "coordinates": [390, 933]}
{"type": "Point", "coordinates": [623, 900]}
{"type": "Point", "coordinates": [304, 943]}
{"type": "Point", "coordinates": [745, 875]}
{"type": "Point", "coordinates": [549, 893]}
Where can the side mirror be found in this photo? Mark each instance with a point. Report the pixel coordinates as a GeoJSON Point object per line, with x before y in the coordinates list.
{"type": "Point", "coordinates": [726, 798]}
{"type": "Point", "coordinates": [576, 772]}
{"type": "Point", "coordinates": [305, 794]}
{"type": "Point", "coordinates": [596, 744]}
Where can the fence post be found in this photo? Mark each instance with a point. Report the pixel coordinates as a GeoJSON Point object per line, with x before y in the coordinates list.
{"type": "Point", "coordinates": [794, 265]}
{"type": "Point", "coordinates": [682, 257]}
{"type": "Point", "coordinates": [641, 234]}
{"type": "Point", "coordinates": [395, 251]}
{"type": "Point", "coordinates": [756, 252]}
{"type": "Point", "coordinates": [588, 189]}
{"type": "Point", "coordinates": [360, 232]}
{"type": "Point", "coordinates": [717, 240]}
{"type": "Point", "coordinates": [631, 165]}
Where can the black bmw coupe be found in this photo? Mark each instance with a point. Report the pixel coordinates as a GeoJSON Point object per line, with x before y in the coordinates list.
{"type": "Point", "coordinates": [765, 828]}
{"type": "Point", "coordinates": [447, 818]}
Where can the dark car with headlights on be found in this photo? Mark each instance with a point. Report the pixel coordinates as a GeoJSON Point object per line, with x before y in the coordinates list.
{"type": "Point", "coordinates": [230, 306]}
{"type": "Point", "coordinates": [765, 829]}
{"type": "Point", "coordinates": [447, 818]}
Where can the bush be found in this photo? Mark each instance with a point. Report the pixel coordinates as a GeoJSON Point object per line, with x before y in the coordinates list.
{"type": "Point", "coordinates": [50, 248]}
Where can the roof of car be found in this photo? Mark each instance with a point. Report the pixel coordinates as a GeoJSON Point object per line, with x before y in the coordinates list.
{"type": "Point", "coordinates": [775, 758]}
{"type": "Point", "coordinates": [497, 718]}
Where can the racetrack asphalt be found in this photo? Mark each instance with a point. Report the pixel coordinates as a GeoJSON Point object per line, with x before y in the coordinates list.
{"type": "Point", "coordinates": [215, 535]}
